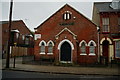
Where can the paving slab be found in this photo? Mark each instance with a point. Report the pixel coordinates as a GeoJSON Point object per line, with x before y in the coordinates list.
{"type": "Point", "coordinates": [68, 70]}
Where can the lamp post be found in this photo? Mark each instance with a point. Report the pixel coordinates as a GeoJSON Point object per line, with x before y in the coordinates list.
{"type": "Point", "coordinates": [9, 34]}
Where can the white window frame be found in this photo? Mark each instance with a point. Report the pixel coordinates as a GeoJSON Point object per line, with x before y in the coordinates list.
{"type": "Point", "coordinates": [67, 15]}
{"type": "Point", "coordinates": [105, 24]}
{"type": "Point", "coordinates": [17, 35]}
{"type": "Point", "coordinates": [117, 48]}
{"type": "Point", "coordinates": [119, 23]}
{"type": "Point", "coordinates": [94, 44]}
{"type": "Point", "coordinates": [23, 37]}
{"type": "Point", "coordinates": [50, 51]}
{"type": "Point", "coordinates": [52, 46]}
{"type": "Point", "coordinates": [40, 46]}
{"type": "Point", "coordinates": [27, 39]}
{"type": "Point", "coordinates": [83, 41]}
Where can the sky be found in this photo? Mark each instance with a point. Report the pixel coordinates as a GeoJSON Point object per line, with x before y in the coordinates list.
{"type": "Point", "coordinates": [35, 12]}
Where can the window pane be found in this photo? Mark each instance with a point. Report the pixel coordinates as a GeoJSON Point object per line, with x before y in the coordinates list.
{"type": "Point", "coordinates": [92, 48]}
{"type": "Point", "coordinates": [42, 48]}
{"type": "Point", "coordinates": [65, 15]}
{"type": "Point", "coordinates": [26, 40]}
{"type": "Point", "coordinates": [105, 28]}
{"type": "Point", "coordinates": [117, 51]}
{"type": "Point", "coordinates": [105, 22]}
{"type": "Point", "coordinates": [50, 48]}
{"type": "Point", "coordinates": [119, 21]}
{"type": "Point", "coordinates": [83, 48]}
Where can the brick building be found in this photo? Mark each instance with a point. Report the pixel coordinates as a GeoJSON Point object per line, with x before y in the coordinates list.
{"type": "Point", "coordinates": [22, 41]}
{"type": "Point", "coordinates": [107, 16]}
{"type": "Point", "coordinates": [67, 37]}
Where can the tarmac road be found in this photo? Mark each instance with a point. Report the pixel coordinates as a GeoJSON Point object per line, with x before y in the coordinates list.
{"type": "Point", "coordinates": [15, 75]}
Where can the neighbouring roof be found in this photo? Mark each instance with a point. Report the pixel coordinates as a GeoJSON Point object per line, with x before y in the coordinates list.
{"type": "Point", "coordinates": [7, 22]}
{"type": "Point", "coordinates": [107, 6]}
{"type": "Point", "coordinates": [4, 22]}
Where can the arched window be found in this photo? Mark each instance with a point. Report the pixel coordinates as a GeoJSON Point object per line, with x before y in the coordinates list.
{"type": "Point", "coordinates": [42, 48]}
{"type": "Point", "coordinates": [50, 48]}
{"type": "Point", "coordinates": [92, 45]}
{"type": "Point", "coordinates": [67, 15]}
{"type": "Point", "coordinates": [83, 49]}
{"type": "Point", "coordinates": [92, 49]}
{"type": "Point", "coordinates": [42, 45]}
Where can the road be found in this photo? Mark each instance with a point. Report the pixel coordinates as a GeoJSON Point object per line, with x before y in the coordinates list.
{"type": "Point", "coordinates": [35, 75]}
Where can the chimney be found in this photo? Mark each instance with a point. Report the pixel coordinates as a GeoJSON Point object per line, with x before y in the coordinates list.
{"type": "Point", "coordinates": [115, 4]}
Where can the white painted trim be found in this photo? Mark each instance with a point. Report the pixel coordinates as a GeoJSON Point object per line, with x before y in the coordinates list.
{"type": "Point", "coordinates": [83, 54]}
{"type": "Point", "coordinates": [42, 53]}
{"type": "Point", "coordinates": [50, 53]}
{"type": "Point", "coordinates": [41, 43]}
{"type": "Point", "coordinates": [72, 48]}
{"type": "Point", "coordinates": [92, 54]}
{"type": "Point", "coordinates": [116, 39]}
{"type": "Point", "coordinates": [65, 62]}
{"type": "Point", "coordinates": [102, 40]}
{"type": "Point", "coordinates": [49, 42]}
{"type": "Point", "coordinates": [83, 41]}
{"type": "Point", "coordinates": [110, 42]}
{"type": "Point", "coordinates": [16, 30]}
{"type": "Point", "coordinates": [93, 43]}
{"type": "Point", "coordinates": [59, 46]}
{"type": "Point", "coordinates": [108, 39]}
{"type": "Point", "coordinates": [65, 30]}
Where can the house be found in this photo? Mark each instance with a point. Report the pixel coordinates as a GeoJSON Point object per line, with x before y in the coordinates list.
{"type": "Point", "coordinates": [67, 37]}
{"type": "Point", "coordinates": [107, 16]}
{"type": "Point", "coordinates": [21, 42]}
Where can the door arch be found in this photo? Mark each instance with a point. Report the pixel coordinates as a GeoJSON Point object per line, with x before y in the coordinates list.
{"type": "Point", "coordinates": [105, 48]}
{"type": "Point", "coordinates": [65, 52]}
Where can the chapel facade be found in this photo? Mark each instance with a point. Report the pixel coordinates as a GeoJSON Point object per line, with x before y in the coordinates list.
{"type": "Point", "coordinates": [67, 37]}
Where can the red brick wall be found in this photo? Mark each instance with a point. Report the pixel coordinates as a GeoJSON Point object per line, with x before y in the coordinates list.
{"type": "Point", "coordinates": [82, 27]}
{"type": "Point", "coordinates": [19, 25]}
{"type": "Point", "coordinates": [114, 29]}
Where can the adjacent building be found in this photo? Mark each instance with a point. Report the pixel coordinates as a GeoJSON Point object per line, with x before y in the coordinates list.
{"type": "Point", "coordinates": [67, 37]}
{"type": "Point", "coordinates": [107, 16]}
{"type": "Point", "coordinates": [22, 41]}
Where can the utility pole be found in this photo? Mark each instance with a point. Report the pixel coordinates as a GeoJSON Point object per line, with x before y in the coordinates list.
{"type": "Point", "coordinates": [9, 35]}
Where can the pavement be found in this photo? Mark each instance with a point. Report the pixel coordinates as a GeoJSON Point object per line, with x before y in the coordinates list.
{"type": "Point", "coordinates": [79, 70]}
{"type": "Point", "coordinates": [67, 70]}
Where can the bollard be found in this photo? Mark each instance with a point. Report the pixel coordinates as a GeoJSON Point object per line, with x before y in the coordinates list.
{"type": "Point", "coordinates": [111, 62]}
{"type": "Point", "coordinates": [14, 62]}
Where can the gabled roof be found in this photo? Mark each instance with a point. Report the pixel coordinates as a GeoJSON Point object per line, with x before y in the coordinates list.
{"type": "Point", "coordinates": [105, 7]}
{"type": "Point", "coordinates": [62, 8]}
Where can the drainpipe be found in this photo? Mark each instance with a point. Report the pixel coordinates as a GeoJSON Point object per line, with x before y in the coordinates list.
{"type": "Point", "coordinates": [98, 33]}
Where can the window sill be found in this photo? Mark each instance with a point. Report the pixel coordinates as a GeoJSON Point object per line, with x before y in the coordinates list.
{"type": "Point", "coordinates": [92, 54]}
{"type": "Point", "coordinates": [42, 53]}
{"type": "Point", "coordinates": [105, 32]}
{"type": "Point", "coordinates": [117, 57]}
{"type": "Point", "coordinates": [83, 54]}
{"type": "Point", "coordinates": [50, 53]}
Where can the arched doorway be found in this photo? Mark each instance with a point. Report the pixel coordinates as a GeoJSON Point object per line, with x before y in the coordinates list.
{"type": "Point", "coordinates": [105, 46]}
{"type": "Point", "coordinates": [65, 52]}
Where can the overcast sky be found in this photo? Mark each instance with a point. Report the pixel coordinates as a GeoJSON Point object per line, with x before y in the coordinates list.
{"type": "Point", "coordinates": [34, 13]}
